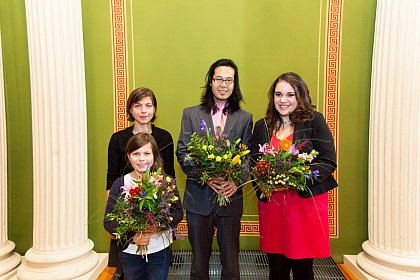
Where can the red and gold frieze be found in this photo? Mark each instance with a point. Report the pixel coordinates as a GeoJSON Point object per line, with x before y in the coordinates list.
{"type": "Point", "coordinates": [331, 97]}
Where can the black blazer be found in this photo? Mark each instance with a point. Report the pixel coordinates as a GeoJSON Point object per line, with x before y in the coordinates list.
{"type": "Point", "coordinates": [319, 137]}
{"type": "Point", "coordinates": [199, 199]}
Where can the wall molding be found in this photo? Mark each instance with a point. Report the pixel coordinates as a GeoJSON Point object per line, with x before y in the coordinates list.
{"type": "Point", "coordinates": [119, 62]}
{"type": "Point", "coordinates": [331, 92]}
{"type": "Point", "coordinates": [331, 95]}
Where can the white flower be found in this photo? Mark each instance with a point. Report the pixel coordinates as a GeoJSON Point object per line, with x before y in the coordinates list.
{"type": "Point", "coordinates": [266, 149]}
{"type": "Point", "coordinates": [306, 157]}
{"type": "Point", "coordinates": [126, 189]}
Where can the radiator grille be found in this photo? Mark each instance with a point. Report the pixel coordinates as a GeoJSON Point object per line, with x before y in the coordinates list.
{"type": "Point", "coordinates": [252, 264]}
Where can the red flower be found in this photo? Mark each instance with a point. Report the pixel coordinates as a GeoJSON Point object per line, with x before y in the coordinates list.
{"type": "Point", "coordinates": [134, 192]}
{"type": "Point", "coordinates": [263, 167]}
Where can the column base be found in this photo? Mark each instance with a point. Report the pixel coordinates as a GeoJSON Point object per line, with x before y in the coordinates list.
{"type": "Point", "coordinates": [351, 264]}
{"type": "Point", "coordinates": [67, 263]}
{"type": "Point", "coordinates": [383, 270]}
{"type": "Point", "coordinates": [385, 265]}
{"type": "Point", "coordinates": [9, 260]}
{"type": "Point", "coordinates": [97, 270]}
{"type": "Point", "coordinates": [375, 264]}
{"type": "Point", "coordinates": [10, 275]}
{"type": "Point", "coordinates": [91, 275]}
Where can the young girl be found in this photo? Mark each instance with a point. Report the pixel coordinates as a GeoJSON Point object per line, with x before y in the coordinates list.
{"type": "Point", "coordinates": [143, 153]}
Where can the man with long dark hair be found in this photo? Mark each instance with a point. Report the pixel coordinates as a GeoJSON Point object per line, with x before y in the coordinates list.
{"type": "Point", "coordinates": [220, 109]}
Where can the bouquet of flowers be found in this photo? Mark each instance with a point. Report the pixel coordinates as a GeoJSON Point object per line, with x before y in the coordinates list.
{"type": "Point", "coordinates": [214, 156]}
{"type": "Point", "coordinates": [283, 169]}
{"type": "Point", "coordinates": [144, 203]}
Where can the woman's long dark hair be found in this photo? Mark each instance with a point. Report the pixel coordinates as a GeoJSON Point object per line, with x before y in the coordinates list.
{"type": "Point", "coordinates": [207, 99]}
{"type": "Point", "coordinates": [304, 110]}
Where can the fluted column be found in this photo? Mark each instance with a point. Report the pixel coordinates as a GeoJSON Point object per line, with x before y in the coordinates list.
{"type": "Point", "coordinates": [393, 248]}
{"type": "Point", "coordinates": [61, 249]}
{"type": "Point", "coordinates": [9, 259]}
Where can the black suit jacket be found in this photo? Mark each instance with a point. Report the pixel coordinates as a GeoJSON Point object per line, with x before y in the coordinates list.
{"type": "Point", "coordinates": [199, 199]}
{"type": "Point", "coordinates": [318, 137]}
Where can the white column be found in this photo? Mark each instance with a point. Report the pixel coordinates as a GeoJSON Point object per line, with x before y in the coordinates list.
{"type": "Point", "coordinates": [61, 249]}
{"type": "Point", "coordinates": [393, 248]}
{"type": "Point", "coordinates": [9, 259]}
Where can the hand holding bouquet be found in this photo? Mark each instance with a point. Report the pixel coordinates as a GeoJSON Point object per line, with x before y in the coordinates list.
{"type": "Point", "coordinates": [144, 207]}
{"type": "Point", "coordinates": [217, 159]}
{"type": "Point", "coordinates": [282, 169]}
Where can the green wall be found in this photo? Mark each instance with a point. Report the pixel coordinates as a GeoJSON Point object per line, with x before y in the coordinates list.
{"type": "Point", "coordinates": [18, 123]}
{"type": "Point", "coordinates": [99, 99]}
{"type": "Point", "coordinates": [356, 63]}
{"type": "Point", "coordinates": [171, 45]}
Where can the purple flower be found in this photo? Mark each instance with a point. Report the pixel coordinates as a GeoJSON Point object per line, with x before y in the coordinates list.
{"type": "Point", "coordinates": [306, 175]}
{"type": "Point", "coordinates": [143, 194]}
{"type": "Point", "coordinates": [166, 211]}
{"type": "Point", "coordinates": [315, 173]}
{"type": "Point", "coordinates": [293, 150]}
{"type": "Point", "coordinates": [203, 126]}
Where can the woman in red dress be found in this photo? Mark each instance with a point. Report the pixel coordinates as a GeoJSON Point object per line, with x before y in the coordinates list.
{"type": "Point", "coordinates": [294, 224]}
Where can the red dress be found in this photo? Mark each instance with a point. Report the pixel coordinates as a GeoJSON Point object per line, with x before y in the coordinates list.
{"type": "Point", "coordinates": [294, 226]}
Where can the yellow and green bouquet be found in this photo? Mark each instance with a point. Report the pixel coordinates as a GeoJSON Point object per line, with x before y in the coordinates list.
{"type": "Point", "coordinates": [216, 157]}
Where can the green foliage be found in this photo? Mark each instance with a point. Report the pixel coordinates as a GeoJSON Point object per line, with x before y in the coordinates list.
{"type": "Point", "coordinates": [216, 157]}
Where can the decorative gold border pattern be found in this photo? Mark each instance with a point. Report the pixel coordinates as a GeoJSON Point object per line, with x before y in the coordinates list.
{"type": "Point", "coordinates": [182, 228]}
{"type": "Point", "coordinates": [248, 228]}
{"type": "Point", "coordinates": [332, 85]}
{"type": "Point", "coordinates": [332, 63]}
{"type": "Point", "coordinates": [119, 61]}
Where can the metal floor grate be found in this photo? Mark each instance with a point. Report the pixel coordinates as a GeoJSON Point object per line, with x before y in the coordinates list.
{"type": "Point", "coordinates": [252, 264]}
